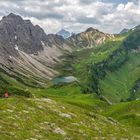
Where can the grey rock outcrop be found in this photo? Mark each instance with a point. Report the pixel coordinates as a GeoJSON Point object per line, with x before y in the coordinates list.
{"type": "Point", "coordinates": [16, 33]}
{"type": "Point", "coordinates": [88, 38]}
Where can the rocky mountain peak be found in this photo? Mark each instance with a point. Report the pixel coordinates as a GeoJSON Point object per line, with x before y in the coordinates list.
{"type": "Point", "coordinates": [12, 15]}
{"type": "Point", "coordinates": [12, 18]}
{"type": "Point", "coordinates": [91, 29]}
{"type": "Point", "coordinates": [88, 38]}
{"type": "Point", "coordinates": [64, 33]}
{"type": "Point", "coordinates": [15, 31]}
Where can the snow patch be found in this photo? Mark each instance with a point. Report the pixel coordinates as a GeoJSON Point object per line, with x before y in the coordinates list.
{"type": "Point", "coordinates": [10, 56]}
{"type": "Point", "coordinates": [43, 44]}
{"type": "Point", "coordinates": [16, 48]}
{"type": "Point", "coordinates": [15, 37]}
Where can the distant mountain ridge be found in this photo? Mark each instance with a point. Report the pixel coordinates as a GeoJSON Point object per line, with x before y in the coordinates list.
{"type": "Point", "coordinates": [124, 31]}
{"type": "Point", "coordinates": [64, 33]}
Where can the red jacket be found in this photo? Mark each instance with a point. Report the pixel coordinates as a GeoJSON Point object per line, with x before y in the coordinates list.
{"type": "Point", "coordinates": [6, 95]}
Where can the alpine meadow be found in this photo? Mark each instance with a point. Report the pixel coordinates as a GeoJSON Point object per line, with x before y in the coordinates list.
{"type": "Point", "coordinates": [69, 70]}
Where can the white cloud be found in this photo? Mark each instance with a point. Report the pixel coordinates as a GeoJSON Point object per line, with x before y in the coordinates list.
{"type": "Point", "coordinates": [76, 15]}
{"type": "Point", "coordinates": [120, 7]}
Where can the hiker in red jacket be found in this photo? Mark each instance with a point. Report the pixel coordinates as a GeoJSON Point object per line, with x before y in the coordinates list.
{"type": "Point", "coordinates": [6, 95]}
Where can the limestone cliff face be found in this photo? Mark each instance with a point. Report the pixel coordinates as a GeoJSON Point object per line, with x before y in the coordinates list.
{"type": "Point", "coordinates": [89, 38]}
{"type": "Point", "coordinates": [27, 50]}
{"type": "Point", "coordinates": [16, 33]}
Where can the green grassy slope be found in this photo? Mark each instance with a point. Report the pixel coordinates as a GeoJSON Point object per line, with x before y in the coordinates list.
{"type": "Point", "coordinates": [96, 55]}
{"type": "Point", "coordinates": [42, 118]}
{"type": "Point", "coordinates": [111, 69]}
{"type": "Point", "coordinates": [117, 85]}
{"type": "Point", "coordinates": [123, 84]}
{"type": "Point", "coordinates": [72, 94]}
{"type": "Point", "coordinates": [13, 86]}
{"type": "Point", "coordinates": [127, 113]}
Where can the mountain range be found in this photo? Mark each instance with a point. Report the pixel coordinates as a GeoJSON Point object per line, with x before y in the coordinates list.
{"type": "Point", "coordinates": [68, 86]}
{"type": "Point", "coordinates": [26, 48]}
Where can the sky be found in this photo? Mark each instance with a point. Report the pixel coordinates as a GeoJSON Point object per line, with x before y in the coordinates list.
{"type": "Point", "coordinates": [109, 16]}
